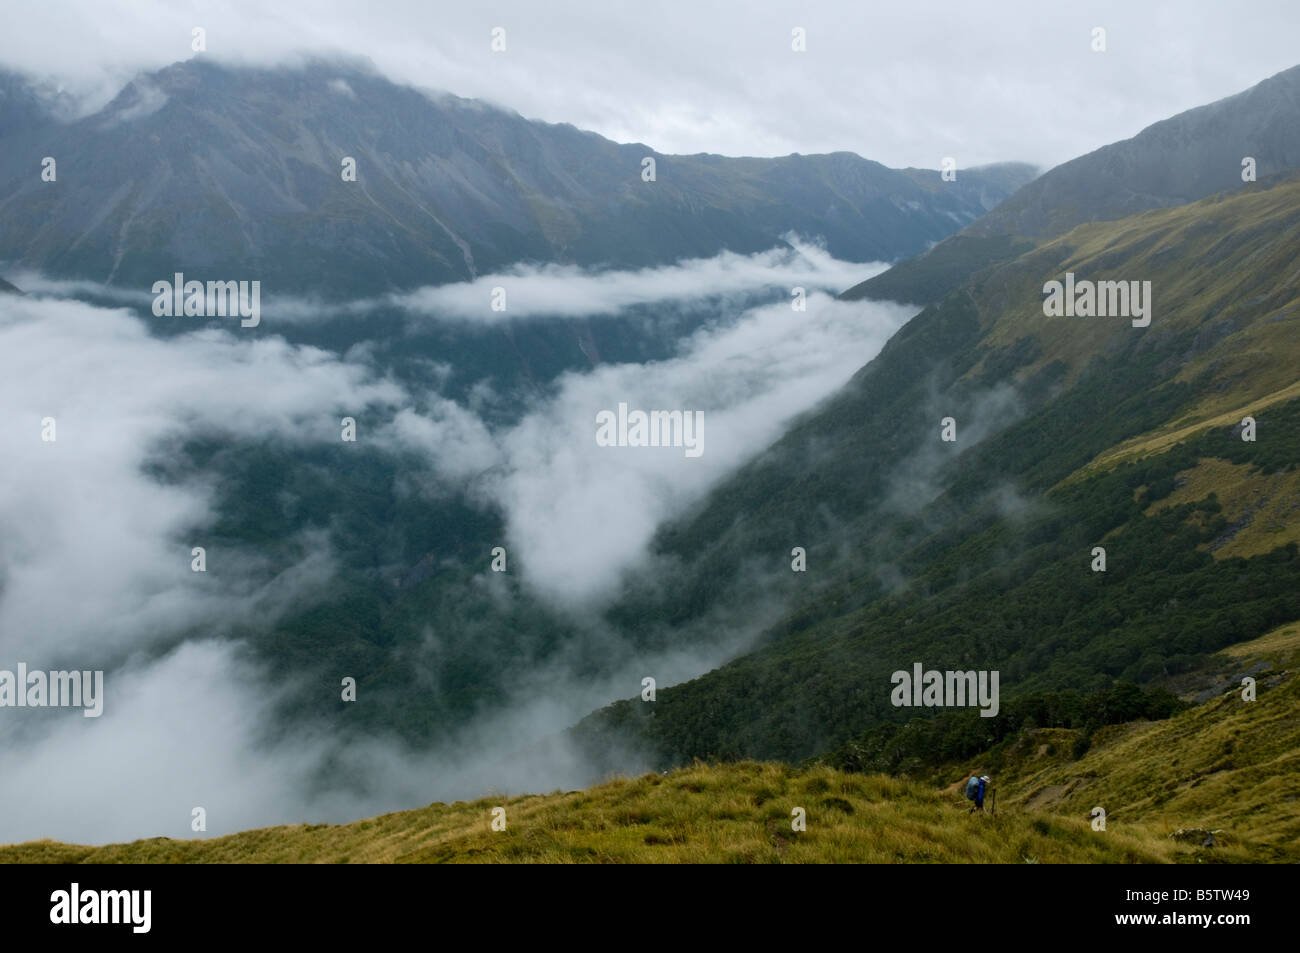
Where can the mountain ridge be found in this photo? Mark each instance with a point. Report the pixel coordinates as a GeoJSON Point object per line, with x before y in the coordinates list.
{"type": "Point", "coordinates": [1177, 160]}
{"type": "Point", "coordinates": [239, 169]}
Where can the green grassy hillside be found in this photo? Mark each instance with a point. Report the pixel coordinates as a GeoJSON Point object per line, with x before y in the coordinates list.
{"type": "Point", "coordinates": [976, 554]}
{"type": "Point", "coordinates": [1226, 765]}
{"type": "Point", "coordinates": [736, 813]}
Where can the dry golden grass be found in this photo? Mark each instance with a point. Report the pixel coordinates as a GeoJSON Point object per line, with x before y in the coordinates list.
{"type": "Point", "coordinates": [1264, 509]}
{"type": "Point", "coordinates": [736, 813]}
{"type": "Point", "coordinates": [1164, 438]}
{"type": "Point", "coordinates": [1228, 764]}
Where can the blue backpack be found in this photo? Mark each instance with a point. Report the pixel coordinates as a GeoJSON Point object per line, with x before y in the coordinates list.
{"type": "Point", "coordinates": [972, 788]}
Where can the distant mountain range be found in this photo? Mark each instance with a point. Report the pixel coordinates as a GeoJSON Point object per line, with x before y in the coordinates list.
{"type": "Point", "coordinates": [238, 172]}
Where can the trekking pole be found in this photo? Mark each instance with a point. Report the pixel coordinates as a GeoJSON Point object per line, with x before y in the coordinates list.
{"type": "Point", "coordinates": [993, 808]}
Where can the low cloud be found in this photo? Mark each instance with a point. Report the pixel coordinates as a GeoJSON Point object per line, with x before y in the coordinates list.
{"type": "Point", "coordinates": [342, 87]}
{"type": "Point", "coordinates": [95, 547]}
{"type": "Point", "coordinates": [194, 728]}
{"type": "Point", "coordinates": [79, 514]}
{"type": "Point", "coordinates": [580, 515]}
{"type": "Point", "coordinates": [575, 292]}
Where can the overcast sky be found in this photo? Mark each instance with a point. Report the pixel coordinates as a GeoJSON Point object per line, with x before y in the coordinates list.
{"type": "Point", "coordinates": [904, 83]}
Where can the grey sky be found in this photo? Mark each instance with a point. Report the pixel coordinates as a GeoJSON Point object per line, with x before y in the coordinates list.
{"type": "Point", "coordinates": [903, 83]}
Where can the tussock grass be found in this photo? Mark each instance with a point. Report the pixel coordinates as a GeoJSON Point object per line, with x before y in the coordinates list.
{"type": "Point", "coordinates": [735, 813]}
{"type": "Point", "coordinates": [1226, 765]}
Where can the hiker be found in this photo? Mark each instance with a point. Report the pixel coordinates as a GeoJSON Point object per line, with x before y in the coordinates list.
{"type": "Point", "coordinates": [976, 788]}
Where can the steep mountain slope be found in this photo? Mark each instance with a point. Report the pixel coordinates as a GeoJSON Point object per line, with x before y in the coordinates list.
{"type": "Point", "coordinates": [238, 172]}
{"type": "Point", "coordinates": [1173, 162]}
{"type": "Point", "coordinates": [228, 173]}
{"type": "Point", "coordinates": [24, 105]}
{"type": "Point", "coordinates": [975, 554]}
{"type": "Point", "coordinates": [1226, 766]}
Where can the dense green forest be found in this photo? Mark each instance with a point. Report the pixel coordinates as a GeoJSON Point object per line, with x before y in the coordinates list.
{"type": "Point", "coordinates": [977, 554]}
{"type": "Point", "coordinates": [929, 743]}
